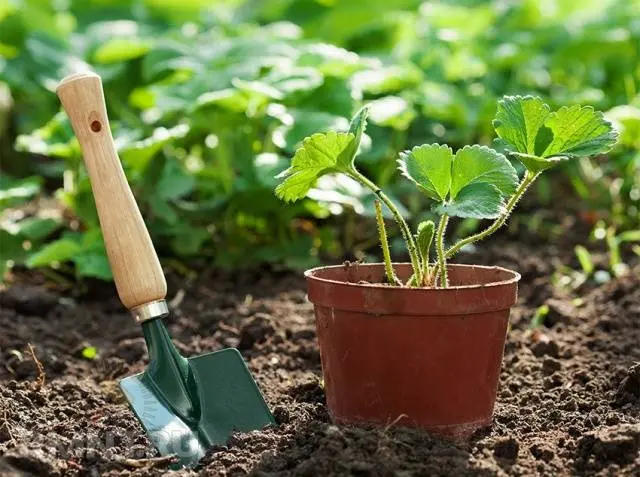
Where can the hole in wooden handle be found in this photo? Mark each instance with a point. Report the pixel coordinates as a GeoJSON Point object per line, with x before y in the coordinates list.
{"type": "Point", "coordinates": [96, 126]}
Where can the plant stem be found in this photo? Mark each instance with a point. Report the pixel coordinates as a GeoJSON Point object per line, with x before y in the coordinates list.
{"type": "Point", "coordinates": [442, 259]}
{"type": "Point", "coordinates": [386, 254]}
{"type": "Point", "coordinates": [527, 180]}
{"type": "Point", "coordinates": [426, 272]}
{"type": "Point", "coordinates": [404, 228]}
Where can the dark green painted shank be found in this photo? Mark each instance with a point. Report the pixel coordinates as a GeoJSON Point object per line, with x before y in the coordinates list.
{"type": "Point", "coordinates": [188, 405]}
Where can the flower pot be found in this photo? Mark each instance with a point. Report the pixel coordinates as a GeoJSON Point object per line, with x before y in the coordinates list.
{"type": "Point", "coordinates": [427, 358]}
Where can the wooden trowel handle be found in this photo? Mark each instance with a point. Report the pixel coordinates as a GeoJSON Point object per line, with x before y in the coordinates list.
{"type": "Point", "coordinates": [136, 269]}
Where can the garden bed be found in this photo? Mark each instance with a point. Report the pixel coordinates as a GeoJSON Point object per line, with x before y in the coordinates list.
{"type": "Point", "coordinates": [569, 399]}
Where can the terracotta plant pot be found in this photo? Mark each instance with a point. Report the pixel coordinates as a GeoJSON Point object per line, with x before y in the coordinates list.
{"type": "Point", "coordinates": [427, 358]}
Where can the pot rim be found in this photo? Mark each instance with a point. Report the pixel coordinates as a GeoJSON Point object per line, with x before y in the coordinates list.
{"type": "Point", "coordinates": [515, 278]}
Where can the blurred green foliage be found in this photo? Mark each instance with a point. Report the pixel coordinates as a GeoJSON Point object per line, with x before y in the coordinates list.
{"type": "Point", "coordinates": [209, 100]}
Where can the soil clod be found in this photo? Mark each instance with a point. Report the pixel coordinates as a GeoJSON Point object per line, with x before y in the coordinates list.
{"type": "Point", "coordinates": [620, 444]}
{"type": "Point", "coordinates": [628, 391]}
{"type": "Point", "coordinates": [542, 451]}
{"type": "Point", "coordinates": [506, 448]}
{"type": "Point", "coordinates": [28, 300]}
{"type": "Point", "coordinates": [256, 330]}
{"type": "Point", "coordinates": [131, 350]}
{"type": "Point", "coordinates": [560, 311]}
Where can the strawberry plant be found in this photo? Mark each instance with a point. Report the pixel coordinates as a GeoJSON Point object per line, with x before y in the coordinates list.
{"type": "Point", "coordinates": [474, 182]}
{"type": "Point", "coordinates": [209, 100]}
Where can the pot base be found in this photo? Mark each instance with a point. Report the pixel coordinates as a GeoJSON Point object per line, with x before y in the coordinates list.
{"type": "Point", "coordinates": [455, 432]}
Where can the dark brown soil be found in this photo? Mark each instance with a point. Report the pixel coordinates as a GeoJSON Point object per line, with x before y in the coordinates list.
{"type": "Point", "coordinates": [569, 401]}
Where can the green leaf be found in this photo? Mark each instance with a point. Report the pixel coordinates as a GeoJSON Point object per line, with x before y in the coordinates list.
{"type": "Point", "coordinates": [358, 123]}
{"type": "Point", "coordinates": [54, 139]}
{"type": "Point", "coordinates": [334, 97]}
{"type": "Point", "coordinates": [93, 240]}
{"type": "Point", "coordinates": [578, 132]}
{"type": "Point", "coordinates": [626, 119]}
{"type": "Point", "coordinates": [59, 251]}
{"type": "Point", "coordinates": [482, 165]}
{"type": "Point", "coordinates": [541, 139]}
{"type": "Point", "coordinates": [294, 253]}
{"type": "Point", "coordinates": [121, 49]}
{"type": "Point", "coordinates": [230, 99]}
{"type": "Point", "coordinates": [386, 79]}
{"type": "Point", "coordinates": [424, 238]}
{"type": "Point", "coordinates": [257, 89]}
{"type": "Point", "coordinates": [300, 123]}
{"type": "Point", "coordinates": [294, 80]}
{"type": "Point", "coordinates": [392, 111]}
{"type": "Point", "coordinates": [16, 191]}
{"type": "Point", "coordinates": [93, 264]}
{"type": "Point", "coordinates": [163, 209]}
{"type": "Point", "coordinates": [91, 260]}
{"type": "Point", "coordinates": [537, 321]}
{"type": "Point", "coordinates": [357, 127]}
{"type": "Point", "coordinates": [320, 154]}
{"type": "Point", "coordinates": [462, 65]}
{"type": "Point", "coordinates": [475, 181]}
{"type": "Point", "coordinates": [11, 251]}
{"type": "Point", "coordinates": [478, 201]}
{"type": "Point", "coordinates": [137, 154]}
{"type": "Point", "coordinates": [584, 257]}
{"type": "Point", "coordinates": [429, 166]}
{"type": "Point", "coordinates": [36, 228]}
{"type": "Point", "coordinates": [188, 241]}
{"type": "Point", "coordinates": [518, 121]}
{"type": "Point", "coordinates": [537, 164]}
{"type": "Point", "coordinates": [330, 60]}
{"type": "Point", "coordinates": [81, 202]}
{"type": "Point", "coordinates": [175, 182]}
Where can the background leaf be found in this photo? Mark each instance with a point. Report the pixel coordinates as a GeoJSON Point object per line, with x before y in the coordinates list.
{"type": "Point", "coordinates": [16, 191]}
{"type": "Point", "coordinates": [268, 74]}
{"type": "Point", "coordinates": [93, 265]}
{"type": "Point", "coordinates": [56, 252]}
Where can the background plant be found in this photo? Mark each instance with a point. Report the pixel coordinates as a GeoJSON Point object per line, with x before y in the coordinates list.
{"type": "Point", "coordinates": [209, 103]}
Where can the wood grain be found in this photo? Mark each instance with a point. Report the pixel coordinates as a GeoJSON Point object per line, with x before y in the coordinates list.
{"type": "Point", "coordinates": [135, 265]}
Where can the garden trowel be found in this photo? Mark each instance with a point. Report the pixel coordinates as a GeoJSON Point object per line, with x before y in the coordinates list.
{"type": "Point", "coordinates": [184, 404]}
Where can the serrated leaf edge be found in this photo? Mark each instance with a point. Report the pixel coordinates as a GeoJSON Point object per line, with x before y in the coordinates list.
{"type": "Point", "coordinates": [486, 149]}
{"type": "Point", "coordinates": [402, 161]}
{"type": "Point", "coordinates": [613, 133]}
{"type": "Point", "coordinates": [290, 171]}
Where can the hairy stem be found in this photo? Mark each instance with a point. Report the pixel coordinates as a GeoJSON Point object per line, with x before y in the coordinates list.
{"type": "Point", "coordinates": [527, 180]}
{"type": "Point", "coordinates": [404, 228]}
{"type": "Point", "coordinates": [442, 259]}
{"type": "Point", "coordinates": [386, 254]}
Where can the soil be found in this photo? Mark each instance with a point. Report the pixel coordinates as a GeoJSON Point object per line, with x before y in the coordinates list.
{"type": "Point", "coordinates": [569, 399]}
